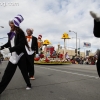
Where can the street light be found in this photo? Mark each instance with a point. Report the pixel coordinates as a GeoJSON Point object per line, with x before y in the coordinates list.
{"type": "Point", "coordinates": [79, 43]}
{"type": "Point", "coordinates": [76, 40]}
{"type": "Point", "coordinates": [2, 26]}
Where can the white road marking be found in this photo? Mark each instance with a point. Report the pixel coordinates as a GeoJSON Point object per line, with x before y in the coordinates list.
{"type": "Point", "coordinates": [70, 72]}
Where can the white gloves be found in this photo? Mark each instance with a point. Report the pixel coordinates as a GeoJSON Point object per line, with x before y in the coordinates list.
{"type": "Point", "coordinates": [37, 55]}
{"type": "Point", "coordinates": [15, 58]}
{"type": "Point", "coordinates": [5, 51]}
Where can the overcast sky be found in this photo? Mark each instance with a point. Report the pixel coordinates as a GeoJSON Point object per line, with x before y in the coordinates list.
{"type": "Point", "coordinates": [51, 18]}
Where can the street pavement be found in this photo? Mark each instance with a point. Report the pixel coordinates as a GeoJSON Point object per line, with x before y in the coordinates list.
{"type": "Point", "coordinates": [55, 82]}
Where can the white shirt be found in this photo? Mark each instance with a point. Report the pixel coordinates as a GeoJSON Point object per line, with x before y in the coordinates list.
{"type": "Point", "coordinates": [31, 51]}
{"type": "Point", "coordinates": [14, 57]}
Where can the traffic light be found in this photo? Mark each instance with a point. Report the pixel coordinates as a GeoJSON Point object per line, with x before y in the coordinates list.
{"type": "Point", "coordinates": [78, 48]}
{"type": "Point", "coordinates": [79, 52]}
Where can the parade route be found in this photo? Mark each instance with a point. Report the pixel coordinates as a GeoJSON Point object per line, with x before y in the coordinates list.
{"type": "Point", "coordinates": [56, 82]}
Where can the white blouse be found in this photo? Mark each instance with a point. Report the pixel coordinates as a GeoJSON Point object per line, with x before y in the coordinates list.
{"type": "Point", "coordinates": [29, 52]}
{"type": "Point", "coordinates": [14, 57]}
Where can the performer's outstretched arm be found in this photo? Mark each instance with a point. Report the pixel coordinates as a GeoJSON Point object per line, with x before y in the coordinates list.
{"type": "Point", "coordinates": [96, 29]}
{"type": "Point", "coordinates": [5, 45]}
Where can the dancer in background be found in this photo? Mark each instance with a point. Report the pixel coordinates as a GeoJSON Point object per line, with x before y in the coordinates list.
{"type": "Point", "coordinates": [16, 46]}
{"type": "Point", "coordinates": [33, 45]}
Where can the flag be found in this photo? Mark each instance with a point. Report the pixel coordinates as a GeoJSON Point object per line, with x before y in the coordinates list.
{"type": "Point", "coordinates": [87, 44]}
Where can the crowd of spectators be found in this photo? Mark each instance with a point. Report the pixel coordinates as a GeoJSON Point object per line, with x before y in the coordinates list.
{"type": "Point", "coordinates": [91, 60]}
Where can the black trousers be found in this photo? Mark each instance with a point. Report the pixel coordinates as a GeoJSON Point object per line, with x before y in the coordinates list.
{"type": "Point", "coordinates": [10, 70]}
{"type": "Point", "coordinates": [30, 65]}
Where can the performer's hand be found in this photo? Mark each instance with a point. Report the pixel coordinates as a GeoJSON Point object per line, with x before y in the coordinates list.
{"type": "Point", "coordinates": [15, 58]}
{"type": "Point", "coordinates": [5, 51]}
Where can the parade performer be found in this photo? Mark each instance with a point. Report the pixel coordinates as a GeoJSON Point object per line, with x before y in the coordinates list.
{"type": "Point", "coordinates": [40, 43]}
{"type": "Point", "coordinates": [16, 46]}
{"type": "Point", "coordinates": [96, 32]}
{"type": "Point", "coordinates": [32, 42]}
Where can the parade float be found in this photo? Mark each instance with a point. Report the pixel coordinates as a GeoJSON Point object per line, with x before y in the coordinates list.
{"type": "Point", "coordinates": [44, 59]}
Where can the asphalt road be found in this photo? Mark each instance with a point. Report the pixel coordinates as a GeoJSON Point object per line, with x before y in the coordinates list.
{"type": "Point", "coordinates": [57, 82]}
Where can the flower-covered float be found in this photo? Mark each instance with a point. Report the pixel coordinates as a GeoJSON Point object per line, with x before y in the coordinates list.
{"type": "Point", "coordinates": [44, 59]}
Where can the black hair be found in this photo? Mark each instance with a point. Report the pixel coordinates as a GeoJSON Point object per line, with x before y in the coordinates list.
{"type": "Point", "coordinates": [18, 31]}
